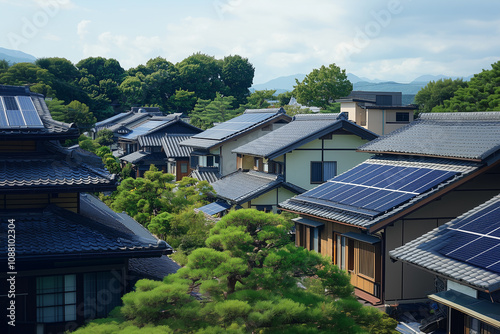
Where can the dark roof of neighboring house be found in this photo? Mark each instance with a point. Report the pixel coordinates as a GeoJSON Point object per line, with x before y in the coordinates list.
{"type": "Point", "coordinates": [467, 136]}
{"type": "Point", "coordinates": [37, 124]}
{"type": "Point", "coordinates": [240, 187]}
{"type": "Point", "coordinates": [127, 118]}
{"type": "Point", "coordinates": [250, 120]}
{"type": "Point", "coordinates": [155, 268]}
{"type": "Point", "coordinates": [379, 188]}
{"type": "Point", "coordinates": [465, 249]}
{"type": "Point", "coordinates": [209, 174]}
{"type": "Point", "coordinates": [147, 134]}
{"type": "Point", "coordinates": [171, 147]}
{"type": "Point", "coordinates": [56, 168]}
{"type": "Point", "coordinates": [57, 233]}
{"type": "Point", "coordinates": [139, 156]}
{"type": "Point", "coordinates": [302, 130]}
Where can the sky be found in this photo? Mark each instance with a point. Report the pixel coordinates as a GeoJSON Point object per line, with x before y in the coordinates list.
{"type": "Point", "coordinates": [390, 40]}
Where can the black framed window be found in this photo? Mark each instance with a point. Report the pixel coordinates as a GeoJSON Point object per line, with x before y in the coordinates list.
{"type": "Point", "coordinates": [402, 117]}
{"type": "Point", "coordinates": [56, 298]}
{"type": "Point", "coordinates": [322, 171]}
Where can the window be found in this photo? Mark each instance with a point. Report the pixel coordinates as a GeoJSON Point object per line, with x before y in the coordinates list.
{"type": "Point", "coordinates": [402, 117]}
{"type": "Point", "coordinates": [322, 171]}
{"type": "Point", "coordinates": [56, 298]}
{"type": "Point", "coordinates": [309, 237]}
{"type": "Point", "coordinates": [101, 293]}
{"type": "Point", "coordinates": [339, 250]}
{"type": "Point", "coordinates": [184, 167]}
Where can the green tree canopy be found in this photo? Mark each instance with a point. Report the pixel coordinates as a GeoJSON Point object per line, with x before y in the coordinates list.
{"type": "Point", "coordinates": [206, 113]}
{"type": "Point", "coordinates": [246, 280]}
{"type": "Point", "coordinates": [258, 99]}
{"type": "Point", "coordinates": [322, 86]}
{"type": "Point", "coordinates": [237, 74]}
{"type": "Point", "coordinates": [201, 74]}
{"type": "Point", "coordinates": [436, 92]}
{"type": "Point", "coordinates": [101, 69]}
{"type": "Point", "coordinates": [482, 93]}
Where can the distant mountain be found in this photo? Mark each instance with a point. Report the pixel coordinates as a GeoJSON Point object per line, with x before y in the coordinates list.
{"type": "Point", "coordinates": [409, 90]}
{"type": "Point", "coordinates": [14, 56]}
{"type": "Point", "coordinates": [427, 78]}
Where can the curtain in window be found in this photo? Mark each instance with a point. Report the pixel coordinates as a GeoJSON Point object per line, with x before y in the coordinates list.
{"type": "Point", "coordinates": [329, 170]}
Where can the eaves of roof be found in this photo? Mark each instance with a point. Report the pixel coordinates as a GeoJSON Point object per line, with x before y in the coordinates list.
{"type": "Point", "coordinates": [469, 171]}
{"type": "Point", "coordinates": [212, 144]}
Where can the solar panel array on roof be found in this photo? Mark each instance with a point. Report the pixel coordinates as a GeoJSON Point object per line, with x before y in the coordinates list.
{"type": "Point", "coordinates": [371, 189]}
{"type": "Point", "coordinates": [18, 112]}
{"type": "Point", "coordinates": [476, 239]}
{"type": "Point", "coordinates": [144, 128]}
{"type": "Point", "coordinates": [214, 208]}
{"type": "Point", "coordinates": [234, 125]}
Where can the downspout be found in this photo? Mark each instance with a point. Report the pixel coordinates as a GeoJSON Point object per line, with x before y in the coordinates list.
{"type": "Point", "coordinates": [383, 122]}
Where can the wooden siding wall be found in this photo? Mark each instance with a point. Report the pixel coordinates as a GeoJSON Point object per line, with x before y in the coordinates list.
{"type": "Point", "coordinates": [9, 146]}
{"type": "Point", "coordinates": [327, 240]}
{"type": "Point", "coordinates": [69, 201]}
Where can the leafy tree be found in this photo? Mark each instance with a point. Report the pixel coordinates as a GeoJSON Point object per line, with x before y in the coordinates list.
{"type": "Point", "coordinates": [218, 110]}
{"type": "Point", "coordinates": [101, 69]}
{"type": "Point", "coordinates": [322, 86]}
{"type": "Point", "coordinates": [155, 193]}
{"type": "Point", "coordinates": [237, 74]}
{"type": "Point", "coordinates": [182, 100]}
{"type": "Point", "coordinates": [40, 80]}
{"type": "Point", "coordinates": [79, 114]}
{"type": "Point", "coordinates": [201, 74]}
{"type": "Point", "coordinates": [284, 98]}
{"type": "Point", "coordinates": [133, 91]}
{"type": "Point", "coordinates": [4, 65]}
{"type": "Point", "coordinates": [436, 92]}
{"type": "Point", "coordinates": [481, 94]}
{"type": "Point", "coordinates": [258, 99]}
{"type": "Point", "coordinates": [105, 137]}
{"type": "Point", "coordinates": [247, 281]}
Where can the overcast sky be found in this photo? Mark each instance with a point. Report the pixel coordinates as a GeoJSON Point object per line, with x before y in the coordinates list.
{"type": "Point", "coordinates": [395, 40]}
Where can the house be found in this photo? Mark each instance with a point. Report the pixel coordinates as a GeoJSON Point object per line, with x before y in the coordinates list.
{"type": "Point", "coordinates": [292, 159]}
{"type": "Point", "coordinates": [60, 255]}
{"type": "Point", "coordinates": [144, 146]}
{"type": "Point", "coordinates": [212, 154]}
{"type": "Point", "coordinates": [177, 156]}
{"type": "Point", "coordinates": [421, 176]}
{"type": "Point", "coordinates": [464, 257]}
{"type": "Point", "coordinates": [122, 123]}
{"type": "Point", "coordinates": [379, 112]}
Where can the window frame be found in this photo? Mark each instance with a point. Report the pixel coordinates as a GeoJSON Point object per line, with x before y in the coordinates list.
{"type": "Point", "coordinates": [314, 179]}
{"type": "Point", "coordinates": [61, 295]}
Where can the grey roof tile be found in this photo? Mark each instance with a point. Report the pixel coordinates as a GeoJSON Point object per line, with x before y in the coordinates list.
{"type": "Point", "coordinates": [240, 187]}
{"type": "Point", "coordinates": [302, 129]}
{"type": "Point", "coordinates": [56, 232]}
{"type": "Point", "coordinates": [209, 174]}
{"type": "Point", "coordinates": [463, 168]}
{"type": "Point", "coordinates": [171, 147]}
{"type": "Point", "coordinates": [429, 244]}
{"type": "Point", "coordinates": [468, 135]}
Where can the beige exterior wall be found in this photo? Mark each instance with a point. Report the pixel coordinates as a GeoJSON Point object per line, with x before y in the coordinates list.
{"type": "Point", "coordinates": [341, 148]}
{"type": "Point", "coordinates": [272, 197]}
{"type": "Point", "coordinates": [405, 282]}
{"type": "Point", "coordinates": [228, 159]}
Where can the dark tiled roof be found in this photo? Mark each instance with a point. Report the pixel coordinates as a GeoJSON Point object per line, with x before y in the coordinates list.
{"type": "Point", "coordinates": [305, 206]}
{"type": "Point", "coordinates": [51, 129]}
{"type": "Point", "coordinates": [155, 268]}
{"type": "Point", "coordinates": [453, 135]}
{"type": "Point", "coordinates": [144, 156]}
{"type": "Point", "coordinates": [33, 172]}
{"type": "Point", "coordinates": [241, 187]}
{"type": "Point", "coordinates": [303, 129]}
{"type": "Point", "coordinates": [171, 147]}
{"type": "Point", "coordinates": [424, 252]}
{"type": "Point", "coordinates": [206, 140]}
{"type": "Point", "coordinates": [61, 234]}
{"type": "Point", "coordinates": [209, 174]}
{"type": "Point", "coordinates": [150, 140]}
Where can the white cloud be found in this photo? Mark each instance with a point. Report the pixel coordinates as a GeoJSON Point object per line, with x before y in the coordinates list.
{"type": "Point", "coordinates": [82, 28]}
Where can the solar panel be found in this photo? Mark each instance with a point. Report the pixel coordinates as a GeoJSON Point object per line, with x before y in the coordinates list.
{"type": "Point", "coordinates": [144, 128]}
{"type": "Point", "coordinates": [233, 126]}
{"type": "Point", "coordinates": [3, 116]}
{"type": "Point", "coordinates": [214, 208]}
{"type": "Point", "coordinates": [16, 112]}
{"type": "Point", "coordinates": [475, 239]}
{"type": "Point", "coordinates": [375, 187]}
{"type": "Point", "coordinates": [31, 117]}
